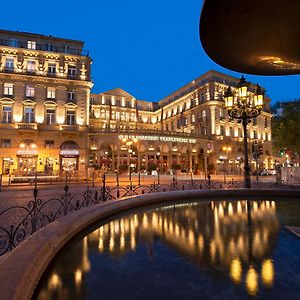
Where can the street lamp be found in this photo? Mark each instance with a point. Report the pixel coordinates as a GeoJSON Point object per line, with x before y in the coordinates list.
{"type": "Point", "coordinates": [244, 106]}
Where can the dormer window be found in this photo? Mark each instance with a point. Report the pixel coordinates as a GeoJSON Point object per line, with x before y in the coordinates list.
{"type": "Point", "coordinates": [31, 45]}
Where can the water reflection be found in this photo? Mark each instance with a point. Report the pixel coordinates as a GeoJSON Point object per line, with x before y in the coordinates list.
{"type": "Point", "coordinates": [234, 237]}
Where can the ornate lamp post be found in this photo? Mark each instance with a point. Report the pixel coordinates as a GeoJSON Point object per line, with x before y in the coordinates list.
{"type": "Point", "coordinates": [244, 106]}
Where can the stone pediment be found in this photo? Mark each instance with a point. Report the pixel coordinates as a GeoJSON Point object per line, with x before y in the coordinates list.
{"type": "Point", "coordinates": [118, 93]}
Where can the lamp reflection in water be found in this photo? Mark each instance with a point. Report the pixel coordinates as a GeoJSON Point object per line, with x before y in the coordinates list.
{"type": "Point", "coordinates": [217, 234]}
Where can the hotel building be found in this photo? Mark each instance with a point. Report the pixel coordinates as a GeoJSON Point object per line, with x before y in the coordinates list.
{"type": "Point", "coordinates": [189, 130]}
{"type": "Point", "coordinates": [51, 123]}
{"type": "Point", "coordinates": [44, 103]}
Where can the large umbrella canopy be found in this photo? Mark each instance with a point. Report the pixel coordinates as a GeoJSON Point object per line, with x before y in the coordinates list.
{"type": "Point", "coordinates": [259, 37]}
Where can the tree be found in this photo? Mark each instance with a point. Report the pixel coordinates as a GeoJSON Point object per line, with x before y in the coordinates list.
{"type": "Point", "coordinates": [286, 128]}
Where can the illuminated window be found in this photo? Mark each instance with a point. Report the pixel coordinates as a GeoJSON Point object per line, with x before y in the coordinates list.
{"type": "Point", "coordinates": [29, 90]}
{"type": "Point", "coordinates": [9, 64]}
{"type": "Point", "coordinates": [31, 66]}
{"type": "Point", "coordinates": [193, 118]}
{"type": "Point", "coordinates": [8, 89]}
{"type": "Point", "coordinates": [70, 117]}
{"type": "Point", "coordinates": [51, 93]}
{"type": "Point", "coordinates": [50, 116]}
{"type": "Point", "coordinates": [29, 115]}
{"type": "Point", "coordinates": [6, 114]}
{"type": "Point", "coordinates": [31, 45]}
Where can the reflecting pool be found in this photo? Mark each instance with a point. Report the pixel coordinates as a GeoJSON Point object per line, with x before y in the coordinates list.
{"type": "Point", "coordinates": [194, 250]}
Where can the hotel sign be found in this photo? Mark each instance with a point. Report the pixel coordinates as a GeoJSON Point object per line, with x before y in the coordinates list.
{"type": "Point", "coordinates": [27, 152]}
{"type": "Point", "coordinates": [71, 152]}
{"type": "Point", "coordinates": [160, 138]}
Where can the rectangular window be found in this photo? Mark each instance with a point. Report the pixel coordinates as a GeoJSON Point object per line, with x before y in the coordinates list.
{"type": "Point", "coordinates": [51, 93]}
{"type": "Point", "coordinates": [231, 131]}
{"type": "Point", "coordinates": [71, 96]}
{"type": "Point", "coordinates": [70, 117]}
{"type": "Point", "coordinates": [6, 114]}
{"type": "Point", "coordinates": [8, 89]}
{"type": "Point", "coordinates": [9, 64]}
{"type": "Point", "coordinates": [50, 116]}
{"type": "Point", "coordinates": [31, 66]}
{"type": "Point", "coordinates": [203, 115]}
{"type": "Point", "coordinates": [193, 119]}
{"type": "Point", "coordinates": [29, 115]}
{"type": "Point", "coordinates": [71, 71]}
{"type": "Point", "coordinates": [51, 69]}
{"type": "Point", "coordinates": [31, 45]}
{"type": "Point", "coordinates": [6, 143]}
{"type": "Point", "coordinates": [29, 92]}
{"type": "Point", "coordinates": [49, 144]}
{"type": "Point", "coordinates": [222, 130]}
{"type": "Point", "coordinates": [118, 102]}
{"type": "Point", "coordinates": [49, 47]}
{"type": "Point", "coordinates": [13, 42]}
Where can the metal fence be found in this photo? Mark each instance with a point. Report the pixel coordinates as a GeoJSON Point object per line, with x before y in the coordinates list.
{"type": "Point", "coordinates": [19, 222]}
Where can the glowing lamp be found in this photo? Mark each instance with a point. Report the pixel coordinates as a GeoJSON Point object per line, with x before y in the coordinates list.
{"type": "Point", "coordinates": [258, 97]}
{"type": "Point", "coordinates": [243, 87]}
{"type": "Point", "coordinates": [228, 97]}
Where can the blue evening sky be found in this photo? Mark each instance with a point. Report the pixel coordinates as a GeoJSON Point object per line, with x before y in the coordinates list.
{"type": "Point", "coordinates": [147, 47]}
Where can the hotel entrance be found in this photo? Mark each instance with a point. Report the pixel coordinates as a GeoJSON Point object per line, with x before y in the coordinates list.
{"type": "Point", "coordinates": [27, 156]}
{"type": "Point", "coordinates": [69, 157]}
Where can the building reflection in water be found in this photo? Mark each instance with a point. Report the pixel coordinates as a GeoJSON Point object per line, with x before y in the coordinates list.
{"type": "Point", "coordinates": [235, 236]}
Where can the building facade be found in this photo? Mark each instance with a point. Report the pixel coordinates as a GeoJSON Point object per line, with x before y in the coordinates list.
{"type": "Point", "coordinates": [44, 104]}
{"type": "Point", "coordinates": [189, 131]}
{"type": "Point", "coordinates": [50, 123]}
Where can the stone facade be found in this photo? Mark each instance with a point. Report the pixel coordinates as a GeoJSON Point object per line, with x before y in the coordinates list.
{"type": "Point", "coordinates": [50, 123]}
{"type": "Point", "coordinates": [44, 94]}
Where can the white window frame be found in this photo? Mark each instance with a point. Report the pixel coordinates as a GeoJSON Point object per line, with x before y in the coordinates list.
{"type": "Point", "coordinates": [31, 45]}
{"type": "Point", "coordinates": [31, 115]}
{"type": "Point", "coordinates": [50, 116]}
{"type": "Point", "coordinates": [70, 117]}
{"type": "Point", "coordinates": [29, 90]}
{"type": "Point", "coordinates": [31, 66]}
{"type": "Point", "coordinates": [6, 114]}
{"type": "Point", "coordinates": [51, 92]}
{"type": "Point", "coordinates": [71, 95]}
{"type": "Point", "coordinates": [71, 70]}
{"type": "Point", "coordinates": [9, 63]}
{"type": "Point", "coordinates": [8, 89]}
{"type": "Point", "coordinates": [52, 67]}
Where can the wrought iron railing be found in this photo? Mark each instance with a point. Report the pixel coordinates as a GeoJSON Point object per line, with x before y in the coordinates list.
{"type": "Point", "coordinates": [19, 222]}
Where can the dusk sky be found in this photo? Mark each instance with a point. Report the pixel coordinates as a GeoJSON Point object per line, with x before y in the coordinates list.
{"type": "Point", "coordinates": [148, 48]}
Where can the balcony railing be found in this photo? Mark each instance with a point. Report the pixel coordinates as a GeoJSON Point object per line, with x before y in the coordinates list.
{"type": "Point", "coordinates": [27, 126]}
{"type": "Point", "coordinates": [45, 47]}
{"type": "Point", "coordinates": [42, 73]}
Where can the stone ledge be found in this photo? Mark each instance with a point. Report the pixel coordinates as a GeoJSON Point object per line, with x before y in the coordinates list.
{"type": "Point", "coordinates": [22, 268]}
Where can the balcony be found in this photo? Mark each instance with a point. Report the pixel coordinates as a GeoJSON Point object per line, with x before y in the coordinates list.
{"type": "Point", "coordinates": [27, 126]}
{"type": "Point", "coordinates": [45, 47]}
{"type": "Point", "coordinates": [42, 74]}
